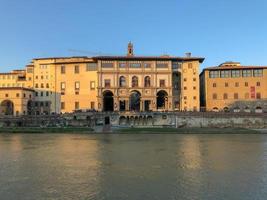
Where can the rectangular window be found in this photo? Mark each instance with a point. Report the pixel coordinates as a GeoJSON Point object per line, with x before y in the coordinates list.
{"type": "Point", "coordinates": [63, 69]}
{"type": "Point", "coordinates": [226, 84]}
{"type": "Point", "coordinates": [190, 65]}
{"type": "Point", "coordinates": [135, 65]}
{"type": "Point", "coordinates": [214, 74]}
{"type": "Point", "coordinates": [17, 95]}
{"type": "Point", "coordinates": [122, 64]}
{"type": "Point", "coordinates": [77, 105]}
{"type": "Point", "coordinates": [236, 73]}
{"type": "Point", "coordinates": [92, 85]}
{"type": "Point", "coordinates": [258, 95]}
{"type": "Point", "coordinates": [235, 95]}
{"type": "Point", "coordinates": [63, 85]}
{"type": "Point", "coordinates": [29, 70]}
{"type": "Point", "coordinates": [77, 85]}
{"type": "Point", "coordinates": [107, 64]}
{"type": "Point", "coordinates": [162, 83]}
{"type": "Point", "coordinates": [62, 105]}
{"type": "Point", "coordinates": [107, 83]}
{"type": "Point", "coordinates": [236, 84]}
{"type": "Point", "coordinates": [162, 64]}
{"type": "Point", "coordinates": [258, 72]}
{"type": "Point", "coordinates": [225, 73]}
{"type": "Point", "coordinates": [258, 83]}
{"type": "Point", "coordinates": [76, 69]}
{"type": "Point", "coordinates": [247, 73]}
{"type": "Point", "coordinates": [214, 96]}
{"type": "Point", "coordinates": [91, 67]}
{"type": "Point", "coordinates": [214, 85]}
{"type": "Point", "coordinates": [225, 96]}
{"type": "Point", "coordinates": [246, 84]}
{"type": "Point", "coordinates": [147, 65]}
{"type": "Point", "coordinates": [92, 105]}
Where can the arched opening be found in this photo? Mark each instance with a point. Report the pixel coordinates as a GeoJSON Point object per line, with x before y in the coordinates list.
{"type": "Point", "coordinates": [134, 81]}
{"type": "Point", "coordinates": [247, 109]}
{"type": "Point", "coordinates": [108, 101]}
{"type": "Point", "coordinates": [147, 81]}
{"type": "Point", "coordinates": [162, 99]}
{"type": "Point", "coordinates": [258, 109]}
{"type": "Point", "coordinates": [236, 109]}
{"type": "Point", "coordinates": [149, 120]}
{"type": "Point", "coordinates": [123, 120]}
{"type": "Point", "coordinates": [135, 99]}
{"type": "Point", "coordinates": [215, 109]}
{"type": "Point", "coordinates": [122, 81]}
{"type": "Point", "coordinates": [226, 109]}
{"type": "Point", "coordinates": [7, 107]}
{"type": "Point", "coordinates": [30, 108]}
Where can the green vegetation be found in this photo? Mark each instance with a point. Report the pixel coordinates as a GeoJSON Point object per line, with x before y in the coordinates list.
{"type": "Point", "coordinates": [46, 130]}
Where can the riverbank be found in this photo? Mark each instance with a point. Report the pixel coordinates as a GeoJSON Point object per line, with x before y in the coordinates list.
{"type": "Point", "coordinates": [154, 130]}
{"type": "Point", "coordinates": [190, 130]}
{"type": "Point", "coordinates": [46, 130]}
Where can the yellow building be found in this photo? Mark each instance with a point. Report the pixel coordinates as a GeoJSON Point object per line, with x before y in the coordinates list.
{"type": "Point", "coordinates": [107, 83]}
{"type": "Point", "coordinates": [233, 87]}
{"type": "Point", "coordinates": [139, 83]}
{"type": "Point", "coordinates": [16, 101]}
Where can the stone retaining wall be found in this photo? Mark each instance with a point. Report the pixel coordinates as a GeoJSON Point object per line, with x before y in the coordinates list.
{"type": "Point", "coordinates": [147, 119]}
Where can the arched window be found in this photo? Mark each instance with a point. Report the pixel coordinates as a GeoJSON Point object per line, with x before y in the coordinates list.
{"type": "Point", "coordinates": [134, 81]}
{"type": "Point", "coordinates": [122, 81]}
{"type": "Point", "coordinates": [147, 81]}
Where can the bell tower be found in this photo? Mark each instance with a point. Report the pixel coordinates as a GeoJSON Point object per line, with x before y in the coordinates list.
{"type": "Point", "coordinates": [130, 49]}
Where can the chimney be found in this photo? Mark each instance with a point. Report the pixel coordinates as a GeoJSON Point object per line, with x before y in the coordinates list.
{"type": "Point", "coordinates": [188, 54]}
{"type": "Point", "coordinates": [130, 49]}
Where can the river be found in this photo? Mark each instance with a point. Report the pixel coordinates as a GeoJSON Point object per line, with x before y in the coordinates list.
{"type": "Point", "coordinates": [132, 166]}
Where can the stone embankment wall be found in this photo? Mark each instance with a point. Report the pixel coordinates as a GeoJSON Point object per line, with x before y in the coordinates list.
{"type": "Point", "coordinates": [148, 119]}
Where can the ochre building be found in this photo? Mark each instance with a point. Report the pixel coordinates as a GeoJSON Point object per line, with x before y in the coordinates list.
{"type": "Point", "coordinates": [103, 83]}
{"type": "Point", "coordinates": [233, 87]}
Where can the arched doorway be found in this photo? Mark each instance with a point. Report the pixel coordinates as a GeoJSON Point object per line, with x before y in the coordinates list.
{"type": "Point", "coordinates": [162, 97]}
{"type": "Point", "coordinates": [135, 99]}
{"type": "Point", "coordinates": [226, 109]}
{"type": "Point", "coordinates": [7, 107]}
{"type": "Point", "coordinates": [258, 109]}
{"type": "Point", "coordinates": [108, 101]}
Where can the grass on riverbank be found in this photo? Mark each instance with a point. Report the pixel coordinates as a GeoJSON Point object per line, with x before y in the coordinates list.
{"type": "Point", "coordinates": [46, 130]}
{"type": "Point", "coordinates": [188, 130]}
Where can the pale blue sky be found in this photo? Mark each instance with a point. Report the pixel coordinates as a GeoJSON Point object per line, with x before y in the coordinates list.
{"type": "Point", "coordinates": [218, 30]}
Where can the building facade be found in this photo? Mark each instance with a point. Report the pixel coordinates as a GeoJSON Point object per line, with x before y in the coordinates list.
{"type": "Point", "coordinates": [105, 83]}
{"type": "Point", "coordinates": [233, 87]}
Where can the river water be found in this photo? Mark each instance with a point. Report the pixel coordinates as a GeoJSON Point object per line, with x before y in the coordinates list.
{"type": "Point", "coordinates": [116, 167]}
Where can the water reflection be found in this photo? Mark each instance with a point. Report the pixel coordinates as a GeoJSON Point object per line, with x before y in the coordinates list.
{"type": "Point", "coordinates": [50, 166]}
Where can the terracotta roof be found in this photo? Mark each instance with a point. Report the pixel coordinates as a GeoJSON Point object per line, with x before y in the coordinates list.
{"type": "Point", "coordinates": [148, 58]}
{"type": "Point", "coordinates": [234, 67]}
{"type": "Point", "coordinates": [130, 58]}
{"type": "Point", "coordinates": [60, 57]}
